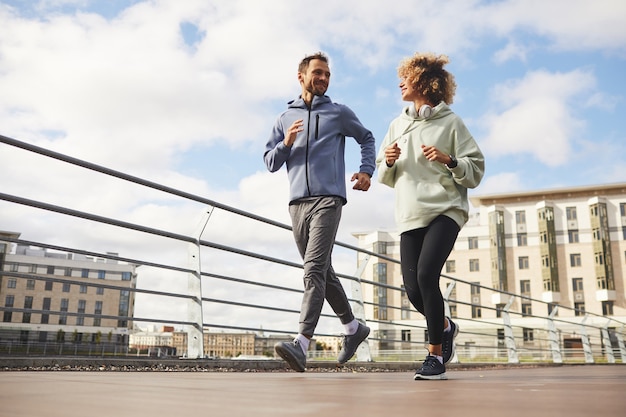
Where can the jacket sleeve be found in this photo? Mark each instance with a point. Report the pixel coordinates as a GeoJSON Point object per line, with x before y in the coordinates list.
{"type": "Point", "coordinates": [386, 174]}
{"type": "Point", "coordinates": [364, 137]}
{"type": "Point", "coordinates": [276, 153]}
{"type": "Point", "coordinates": [471, 162]}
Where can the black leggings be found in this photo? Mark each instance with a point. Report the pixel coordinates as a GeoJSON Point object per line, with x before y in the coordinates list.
{"type": "Point", "coordinates": [423, 252]}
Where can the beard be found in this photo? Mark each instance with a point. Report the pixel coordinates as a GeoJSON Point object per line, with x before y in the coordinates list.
{"type": "Point", "coordinates": [316, 90]}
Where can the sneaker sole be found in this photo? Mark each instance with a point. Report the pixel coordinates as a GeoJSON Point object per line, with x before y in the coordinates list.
{"type": "Point", "coordinates": [291, 361]}
{"type": "Point", "coordinates": [443, 376]}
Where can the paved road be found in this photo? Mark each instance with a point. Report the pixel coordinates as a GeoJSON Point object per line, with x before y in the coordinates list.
{"type": "Point", "coordinates": [577, 390]}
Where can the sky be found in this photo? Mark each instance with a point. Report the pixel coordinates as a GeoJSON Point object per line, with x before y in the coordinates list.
{"type": "Point", "coordinates": [184, 93]}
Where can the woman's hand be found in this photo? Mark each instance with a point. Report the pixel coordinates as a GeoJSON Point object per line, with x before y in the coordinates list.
{"type": "Point", "coordinates": [392, 153]}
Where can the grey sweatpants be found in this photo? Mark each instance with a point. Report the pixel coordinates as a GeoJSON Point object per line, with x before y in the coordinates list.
{"type": "Point", "coordinates": [315, 222]}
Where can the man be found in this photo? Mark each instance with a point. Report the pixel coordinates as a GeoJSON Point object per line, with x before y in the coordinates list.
{"type": "Point", "coordinates": [309, 137]}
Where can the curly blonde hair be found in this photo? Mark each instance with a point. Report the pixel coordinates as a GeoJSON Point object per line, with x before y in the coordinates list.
{"type": "Point", "coordinates": [426, 74]}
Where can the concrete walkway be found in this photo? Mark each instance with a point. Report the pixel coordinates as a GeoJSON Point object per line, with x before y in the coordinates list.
{"type": "Point", "coordinates": [570, 390]}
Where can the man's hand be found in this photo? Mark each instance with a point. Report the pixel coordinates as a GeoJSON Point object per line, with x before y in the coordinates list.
{"type": "Point", "coordinates": [292, 132]}
{"type": "Point", "coordinates": [363, 181]}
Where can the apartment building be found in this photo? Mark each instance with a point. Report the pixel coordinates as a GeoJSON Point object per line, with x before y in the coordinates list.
{"type": "Point", "coordinates": [231, 344]}
{"type": "Point", "coordinates": [52, 296]}
{"type": "Point", "coordinates": [563, 248]}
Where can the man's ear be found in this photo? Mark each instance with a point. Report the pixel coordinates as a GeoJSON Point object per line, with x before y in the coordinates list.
{"type": "Point", "coordinates": [300, 77]}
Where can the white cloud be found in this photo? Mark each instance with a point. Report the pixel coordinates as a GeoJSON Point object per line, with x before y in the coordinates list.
{"type": "Point", "coordinates": [511, 51]}
{"type": "Point", "coordinates": [537, 115]}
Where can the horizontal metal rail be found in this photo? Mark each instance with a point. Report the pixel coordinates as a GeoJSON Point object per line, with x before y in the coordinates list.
{"type": "Point", "coordinates": [489, 340]}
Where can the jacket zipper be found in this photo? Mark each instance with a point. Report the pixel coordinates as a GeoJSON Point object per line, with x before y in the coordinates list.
{"type": "Point", "coordinates": [308, 130]}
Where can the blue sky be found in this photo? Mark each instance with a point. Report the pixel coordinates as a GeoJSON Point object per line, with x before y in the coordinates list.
{"type": "Point", "coordinates": [185, 93]}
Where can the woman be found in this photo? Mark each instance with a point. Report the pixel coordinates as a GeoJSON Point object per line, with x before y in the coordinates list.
{"type": "Point", "coordinates": [431, 159]}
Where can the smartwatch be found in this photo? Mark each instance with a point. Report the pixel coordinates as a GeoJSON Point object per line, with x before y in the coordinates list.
{"type": "Point", "coordinates": [453, 162]}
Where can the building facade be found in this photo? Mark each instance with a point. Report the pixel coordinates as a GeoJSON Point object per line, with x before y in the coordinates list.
{"type": "Point", "coordinates": [565, 249]}
{"type": "Point", "coordinates": [49, 296]}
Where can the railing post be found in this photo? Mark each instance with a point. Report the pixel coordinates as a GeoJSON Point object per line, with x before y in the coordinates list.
{"type": "Point", "coordinates": [585, 339]}
{"type": "Point", "coordinates": [446, 305]}
{"type": "Point", "coordinates": [363, 352]}
{"type": "Point", "coordinates": [195, 336]}
{"type": "Point", "coordinates": [508, 332]}
{"type": "Point", "coordinates": [608, 347]}
{"type": "Point", "coordinates": [555, 346]}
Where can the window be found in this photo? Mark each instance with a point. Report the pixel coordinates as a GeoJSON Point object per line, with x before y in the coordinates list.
{"type": "Point", "coordinates": [523, 262]}
{"type": "Point", "coordinates": [83, 289]}
{"type": "Point", "coordinates": [406, 335]}
{"type": "Point", "coordinates": [126, 275]}
{"type": "Point", "coordinates": [101, 274]}
{"type": "Point", "coordinates": [570, 213]}
{"type": "Point", "coordinates": [80, 320]}
{"type": "Point", "coordinates": [11, 283]}
{"type": "Point", "coordinates": [500, 336]}
{"type": "Point", "coordinates": [84, 273]}
{"type": "Point", "coordinates": [453, 312]}
{"type": "Point", "coordinates": [380, 294]}
{"type": "Point", "coordinates": [450, 266]}
{"type": "Point", "coordinates": [599, 257]}
{"type": "Point", "coordinates": [30, 284]}
{"type": "Point", "coordinates": [68, 272]}
{"type": "Point", "coordinates": [45, 318]}
{"type": "Point", "coordinates": [98, 308]}
{"type": "Point", "coordinates": [528, 335]}
{"type": "Point", "coordinates": [607, 308]}
{"type": "Point", "coordinates": [379, 247]}
{"type": "Point", "coordinates": [28, 305]}
{"type": "Point", "coordinates": [50, 270]}
{"type": "Point", "coordinates": [573, 236]}
{"type": "Point", "coordinates": [472, 242]}
{"type": "Point", "coordinates": [66, 287]}
{"type": "Point", "coordinates": [597, 234]}
{"type": "Point", "coordinates": [64, 307]}
{"type": "Point", "coordinates": [125, 302]}
{"type": "Point", "coordinates": [553, 307]}
{"type": "Point", "coordinates": [520, 217]}
{"type": "Point", "coordinates": [522, 239]}
{"type": "Point", "coordinates": [474, 265]}
{"type": "Point", "coordinates": [527, 309]}
{"type": "Point", "coordinates": [622, 209]}
{"type": "Point", "coordinates": [577, 284]}
{"type": "Point", "coordinates": [99, 291]}
{"type": "Point", "coordinates": [8, 302]}
{"type": "Point", "coordinates": [48, 286]}
{"type": "Point", "coordinates": [499, 309]}
{"type": "Point", "coordinates": [524, 287]}
{"type": "Point", "coordinates": [476, 312]}
{"type": "Point", "coordinates": [579, 309]}
{"type": "Point", "coordinates": [574, 260]}
{"type": "Point", "coordinates": [475, 288]}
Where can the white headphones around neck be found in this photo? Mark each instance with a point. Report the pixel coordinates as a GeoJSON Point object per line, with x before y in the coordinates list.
{"type": "Point", "coordinates": [424, 112]}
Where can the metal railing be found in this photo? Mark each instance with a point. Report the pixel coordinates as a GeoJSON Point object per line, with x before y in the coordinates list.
{"type": "Point", "coordinates": [239, 281]}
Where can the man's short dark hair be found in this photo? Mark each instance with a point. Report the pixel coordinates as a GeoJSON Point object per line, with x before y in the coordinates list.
{"type": "Point", "coordinates": [304, 64]}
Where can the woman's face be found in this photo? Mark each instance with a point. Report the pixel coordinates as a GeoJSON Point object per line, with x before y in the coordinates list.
{"type": "Point", "coordinates": [407, 91]}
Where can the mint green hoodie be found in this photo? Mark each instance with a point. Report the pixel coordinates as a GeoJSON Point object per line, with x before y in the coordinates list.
{"type": "Point", "coordinates": [424, 189]}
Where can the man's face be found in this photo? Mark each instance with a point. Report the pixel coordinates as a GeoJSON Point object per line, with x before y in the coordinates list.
{"type": "Point", "coordinates": [316, 78]}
